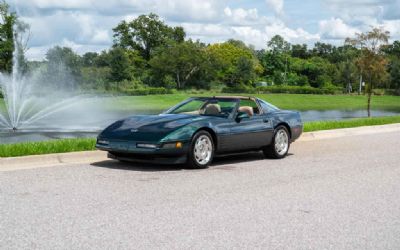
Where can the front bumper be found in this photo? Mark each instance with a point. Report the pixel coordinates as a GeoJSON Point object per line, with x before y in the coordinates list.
{"type": "Point", "coordinates": [145, 158]}
{"type": "Point", "coordinates": [128, 151]}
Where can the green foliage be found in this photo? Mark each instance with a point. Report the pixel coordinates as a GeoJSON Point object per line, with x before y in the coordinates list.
{"type": "Point", "coordinates": [148, 53]}
{"type": "Point", "coordinates": [47, 147]}
{"type": "Point", "coordinates": [120, 65]}
{"type": "Point", "coordinates": [95, 78]}
{"type": "Point", "coordinates": [394, 71]}
{"type": "Point", "coordinates": [278, 45]}
{"type": "Point", "coordinates": [148, 91]}
{"type": "Point", "coordinates": [62, 65]}
{"type": "Point", "coordinates": [187, 63]}
{"type": "Point", "coordinates": [236, 64]}
{"type": "Point", "coordinates": [146, 33]}
{"type": "Point", "coordinates": [7, 22]}
{"type": "Point", "coordinates": [351, 123]}
{"type": "Point", "coordinates": [284, 89]}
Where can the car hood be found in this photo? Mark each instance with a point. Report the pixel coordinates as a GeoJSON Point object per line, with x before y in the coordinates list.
{"type": "Point", "coordinates": [147, 127]}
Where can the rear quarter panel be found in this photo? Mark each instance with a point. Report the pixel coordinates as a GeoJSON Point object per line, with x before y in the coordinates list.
{"type": "Point", "coordinates": [289, 118]}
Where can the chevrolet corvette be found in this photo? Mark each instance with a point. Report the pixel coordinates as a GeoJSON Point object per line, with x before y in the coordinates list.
{"type": "Point", "coordinates": [199, 128]}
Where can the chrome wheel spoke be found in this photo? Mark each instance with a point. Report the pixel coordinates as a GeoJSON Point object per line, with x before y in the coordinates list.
{"type": "Point", "coordinates": [203, 150]}
{"type": "Point", "coordinates": [281, 142]}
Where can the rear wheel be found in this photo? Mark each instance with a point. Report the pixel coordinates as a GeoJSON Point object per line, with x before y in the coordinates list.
{"type": "Point", "coordinates": [280, 145]}
{"type": "Point", "coordinates": [201, 151]}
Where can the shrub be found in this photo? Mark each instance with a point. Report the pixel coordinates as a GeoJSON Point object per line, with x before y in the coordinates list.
{"type": "Point", "coordinates": [286, 90]}
{"type": "Point", "coordinates": [386, 92]}
{"type": "Point", "coordinates": [148, 91]}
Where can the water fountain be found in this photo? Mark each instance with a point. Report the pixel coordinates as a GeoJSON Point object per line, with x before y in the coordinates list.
{"type": "Point", "coordinates": [42, 102]}
{"type": "Point", "coordinates": [29, 99]}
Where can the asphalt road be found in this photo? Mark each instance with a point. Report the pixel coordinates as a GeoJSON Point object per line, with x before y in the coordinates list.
{"type": "Point", "coordinates": [339, 193]}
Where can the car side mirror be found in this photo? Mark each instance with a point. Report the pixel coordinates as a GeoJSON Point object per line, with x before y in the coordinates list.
{"type": "Point", "coordinates": [242, 115]}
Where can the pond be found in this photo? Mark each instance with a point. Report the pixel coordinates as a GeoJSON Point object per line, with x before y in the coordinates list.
{"type": "Point", "coordinates": [91, 130]}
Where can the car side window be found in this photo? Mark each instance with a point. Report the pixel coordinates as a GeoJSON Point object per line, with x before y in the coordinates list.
{"type": "Point", "coordinates": [249, 104]}
{"type": "Point", "coordinates": [267, 108]}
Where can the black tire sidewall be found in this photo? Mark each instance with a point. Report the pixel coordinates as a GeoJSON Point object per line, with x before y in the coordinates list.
{"type": "Point", "coordinates": [191, 161]}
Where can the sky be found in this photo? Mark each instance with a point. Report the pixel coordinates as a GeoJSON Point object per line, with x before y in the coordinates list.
{"type": "Point", "coordinates": [86, 25]}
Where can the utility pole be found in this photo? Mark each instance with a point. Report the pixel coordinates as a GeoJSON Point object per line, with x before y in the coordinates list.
{"type": "Point", "coordinates": [360, 87]}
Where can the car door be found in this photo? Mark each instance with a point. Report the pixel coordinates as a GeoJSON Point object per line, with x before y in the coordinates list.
{"type": "Point", "coordinates": [251, 133]}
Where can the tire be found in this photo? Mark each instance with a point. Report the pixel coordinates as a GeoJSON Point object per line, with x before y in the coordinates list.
{"type": "Point", "coordinates": [280, 145]}
{"type": "Point", "coordinates": [201, 152]}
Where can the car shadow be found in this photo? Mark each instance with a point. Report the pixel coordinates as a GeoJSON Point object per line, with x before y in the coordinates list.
{"type": "Point", "coordinates": [218, 162]}
{"type": "Point", "coordinates": [133, 166]}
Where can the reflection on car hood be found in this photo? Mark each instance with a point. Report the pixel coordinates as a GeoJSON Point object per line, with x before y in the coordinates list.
{"type": "Point", "coordinates": [147, 127]}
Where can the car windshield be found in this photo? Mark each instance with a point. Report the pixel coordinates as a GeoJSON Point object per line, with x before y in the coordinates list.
{"type": "Point", "coordinates": [207, 107]}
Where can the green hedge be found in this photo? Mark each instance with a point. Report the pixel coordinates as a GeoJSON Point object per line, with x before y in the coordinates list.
{"type": "Point", "coordinates": [284, 89]}
{"type": "Point", "coordinates": [395, 92]}
{"type": "Point", "coordinates": [148, 91]}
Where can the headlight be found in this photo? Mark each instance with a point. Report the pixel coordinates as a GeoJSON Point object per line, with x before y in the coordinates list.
{"type": "Point", "coordinates": [104, 142]}
{"type": "Point", "coordinates": [146, 145]}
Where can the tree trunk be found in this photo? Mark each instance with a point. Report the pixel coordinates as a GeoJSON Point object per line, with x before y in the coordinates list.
{"type": "Point", "coordinates": [369, 103]}
{"type": "Point", "coordinates": [178, 80]}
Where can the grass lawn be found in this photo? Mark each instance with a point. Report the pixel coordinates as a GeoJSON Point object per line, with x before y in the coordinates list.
{"type": "Point", "coordinates": [73, 145]}
{"type": "Point", "coordinates": [47, 147]}
{"type": "Point", "coordinates": [283, 101]}
{"type": "Point", "coordinates": [351, 123]}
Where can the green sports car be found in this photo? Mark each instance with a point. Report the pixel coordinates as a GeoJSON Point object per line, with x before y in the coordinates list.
{"type": "Point", "coordinates": [197, 129]}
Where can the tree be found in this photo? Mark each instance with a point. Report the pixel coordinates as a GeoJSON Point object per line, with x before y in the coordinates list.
{"type": "Point", "coordinates": [120, 65]}
{"type": "Point", "coordinates": [89, 59]}
{"type": "Point", "coordinates": [63, 66]}
{"type": "Point", "coordinates": [371, 62]}
{"type": "Point", "coordinates": [6, 37]}
{"type": "Point", "coordinates": [300, 51]}
{"type": "Point", "coordinates": [12, 33]}
{"type": "Point", "coordinates": [146, 33]}
{"type": "Point", "coordinates": [394, 70]}
{"type": "Point", "coordinates": [348, 74]}
{"type": "Point", "coordinates": [278, 45]}
{"type": "Point", "coordinates": [324, 50]}
{"type": "Point", "coordinates": [393, 54]}
{"type": "Point", "coordinates": [318, 70]}
{"type": "Point", "coordinates": [229, 60]}
{"type": "Point", "coordinates": [183, 62]}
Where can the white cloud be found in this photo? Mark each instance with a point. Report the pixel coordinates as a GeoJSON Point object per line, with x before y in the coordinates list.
{"type": "Point", "coordinates": [87, 24]}
{"type": "Point", "coordinates": [242, 16]}
{"type": "Point", "coordinates": [276, 6]}
{"type": "Point", "coordinates": [393, 26]}
{"type": "Point", "coordinates": [335, 28]}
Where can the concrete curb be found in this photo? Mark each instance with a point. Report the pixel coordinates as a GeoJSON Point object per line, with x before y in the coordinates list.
{"type": "Point", "coordinates": [40, 161]}
{"type": "Point", "coordinates": [337, 133]}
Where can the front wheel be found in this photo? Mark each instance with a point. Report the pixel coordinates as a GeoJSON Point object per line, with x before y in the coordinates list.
{"type": "Point", "coordinates": [201, 151]}
{"type": "Point", "coordinates": [280, 144]}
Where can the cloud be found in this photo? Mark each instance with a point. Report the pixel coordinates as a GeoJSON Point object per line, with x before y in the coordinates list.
{"type": "Point", "coordinates": [87, 24]}
{"type": "Point", "coordinates": [335, 28]}
{"type": "Point", "coordinates": [276, 6]}
{"type": "Point", "coordinates": [242, 17]}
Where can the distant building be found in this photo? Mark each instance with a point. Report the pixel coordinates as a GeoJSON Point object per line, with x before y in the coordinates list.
{"type": "Point", "coordinates": [263, 84]}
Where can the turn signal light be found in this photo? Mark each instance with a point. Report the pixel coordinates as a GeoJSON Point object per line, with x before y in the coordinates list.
{"type": "Point", "coordinates": [178, 145]}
